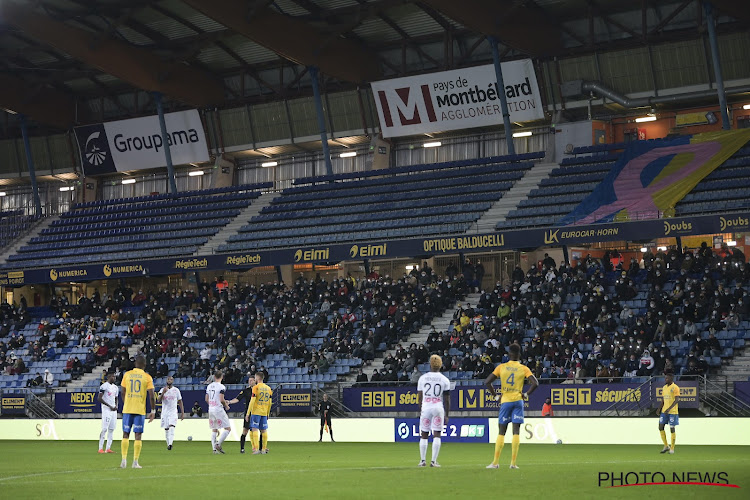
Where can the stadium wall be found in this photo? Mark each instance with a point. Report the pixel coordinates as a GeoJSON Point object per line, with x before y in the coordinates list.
{"type": "Point", "coordinates": [692, 431]}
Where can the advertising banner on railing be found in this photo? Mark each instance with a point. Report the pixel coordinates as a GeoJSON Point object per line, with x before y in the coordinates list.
{"type": "Point", "coordinates": [13, 404]}
{"type": "Point", "coordinates": [457, 430]}
{"type": "Point", "coordinates": [688, 394]}
{"type": "Point", "coordinates": [416, 247]}
{"type": "Point", "coordinates": [457, 99]}
{"type": "Point", "coordinates": [581, 397]}
{"type": "Point", "coordinates": [137, 143]}
{"type": "Point", "coordinates": [293, 400]}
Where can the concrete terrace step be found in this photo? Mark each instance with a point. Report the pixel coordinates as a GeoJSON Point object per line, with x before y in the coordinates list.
{"type": "Point", "coordinates": [235, 224]}
{"type": "Point", "coordinates": [520, 191]}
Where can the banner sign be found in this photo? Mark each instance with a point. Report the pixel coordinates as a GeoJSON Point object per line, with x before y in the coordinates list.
{"type": "Point", "coordinates": [13, 404]}
{"type": "Point", "coordinates": [293, 400]}
{"type": "Point", "coordinates": [457, 99]}
{"type": "Point", "coordinates": [477, 398]}
{"type": "Point", "coordinates": [419, 247]}
{"type": "Point", "coordinates": [457, 430]}
{"type": "Point", "coordinates": [653, 176]}
{"type": "Point", "coordinates": [137, 143]}
{"type": "Point", "coordinates": [688, 394]}
{"type": "Point", "coordinates": [742, 391]}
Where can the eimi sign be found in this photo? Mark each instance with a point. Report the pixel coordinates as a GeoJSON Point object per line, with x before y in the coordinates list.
{"type": "Point", "coordinates": [137, 144]}
{"type": "Point", "coordinates": [458, 99]}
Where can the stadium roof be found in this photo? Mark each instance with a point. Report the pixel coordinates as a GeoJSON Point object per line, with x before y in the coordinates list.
{"type": "Point", "coordinates": [76, 61]}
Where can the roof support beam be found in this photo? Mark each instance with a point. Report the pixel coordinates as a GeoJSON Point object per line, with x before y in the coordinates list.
{"type": "Point", "coordinates": [526, 28]}
{"type": "Point", "coordinates": [42, 104]}
{"type": "Point", "coordinates": [141, 68]}
{"type": "Point", "coordinates": [295, 40]}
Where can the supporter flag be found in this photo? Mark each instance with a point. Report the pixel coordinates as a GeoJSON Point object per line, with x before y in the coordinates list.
{"type": "Point", "coordinates": [652, 176]}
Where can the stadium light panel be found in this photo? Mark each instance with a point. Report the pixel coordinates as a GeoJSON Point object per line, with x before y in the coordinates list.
{"type": "Point", "coordinates": [3, 193]}
{"type": "Point", "coordinates": [128, 181]}
{"type": "Point", "coordinates": [435, 144]}
{"type": "Point", "coordinates": [195, 173]}
{"type": "Point", "coordinates": [731, 243]}
{"type": "Point", "coordinates": [348, 154]}
{"type": "Point", "coordinates": [66, 188]}
{"type": "Point", "coordinates": [522, 134]}
{"type": "Point", "coordinates": [649, 118]}
{"type": "Point", "coordinates": [644, 249]}
{"type": "Point", "coordinates": [269, 164]}
{"type": "Point", "coordinates": [746, 106]}
{"type": "Point", "coordinates": [663, 249]}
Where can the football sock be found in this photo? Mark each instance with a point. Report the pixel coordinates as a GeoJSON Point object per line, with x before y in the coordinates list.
{"type": "Point", "coordinates": [170, 436]}
{"type": "Point", "coordinates": [264, 438]}
{"type": "Point", "coordinates": [664, 437]}
{"type": "Point", "coordinates": [436, 442]}
{"type": "Point", "coordinates": [423, 443]}
{"type": "Point", "coordinates": [330, 433]}
{"type": "Point", "coordinates": [321, 432]}
{"type": "Point", "coordinates": [223, 436]}
{"type": "Point", "coordinates": [673, 438]}
{"type": "Point", "coordinates": [101, 440]}
{"type": "Point", "coordinates": [255, 439]}
{"type": "Point", "coordinates": [213, 440]}
{"type": "Point", "coordinates": [499, 443]}
{"type": "Point", "coordinates": [514, 447]}
{"type": "Point", "coordinates": [109, 439]}
{"type": "Point", "coordinates": [124, 448]}
{"type": "Point", "coordinates": [137, 450]}
{"type": "Point", "coordinates": [242, 441]}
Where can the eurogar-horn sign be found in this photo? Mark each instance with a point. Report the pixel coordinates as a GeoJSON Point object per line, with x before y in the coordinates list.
{"type": "Point", "coordinates": [137, 144]}
{"type": "Point", "coordinates": [457, 99]}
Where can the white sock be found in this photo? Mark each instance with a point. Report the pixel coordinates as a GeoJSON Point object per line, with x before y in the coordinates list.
{"type": "Point", "coordinates": [213, 440]}
{"type": "Point", "coordinates": [109, 439]}
{"type": "Point", "coordinates": [436, 442]}
{"type": "Point", "coordinates": [423, 448]}
{"type": "Point", "coordinates": [166, 435]}
{"type": "Point", "coordinates": [101, 440]}
{"type": "Point", "coordinates": [223, 436]}
{"type": "Point", "coordinates": [170, 436]}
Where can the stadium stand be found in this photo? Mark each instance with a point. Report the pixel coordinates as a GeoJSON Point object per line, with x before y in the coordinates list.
{"type": "Point", "coordinates": [400, 202]}
{"type": "Point", "coordinates": [13, 224]}
{"type": "Point", "coordinates": [165, 225]}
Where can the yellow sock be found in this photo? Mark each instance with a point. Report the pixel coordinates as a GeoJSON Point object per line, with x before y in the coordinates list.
{"type": "Point", "coordinates": [514, 446]}
{"type": "Point", "coordinates": [499, 443]}
{"type": "Point", "coordinates": [124, 448]}
{"type": "Point", "coordinates": [673, 439]}
{"type": "Point", "coordinates": [137, 450]}
{"type": "Point", "coordinates": [256, 439]}
{"type": "Point", "coordinates": [265, 439]}
{"type": "Point", "coordinates": [664, 437]}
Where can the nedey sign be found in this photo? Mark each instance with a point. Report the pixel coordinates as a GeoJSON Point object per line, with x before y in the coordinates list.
{"type": "Point", "coordinates": [457, 99]}
{"type": "Point", "coordinates": [137, 144]}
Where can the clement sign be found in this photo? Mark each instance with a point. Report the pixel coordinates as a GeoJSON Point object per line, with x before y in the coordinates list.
{"type": "Point", "coordinates": [458, 99]}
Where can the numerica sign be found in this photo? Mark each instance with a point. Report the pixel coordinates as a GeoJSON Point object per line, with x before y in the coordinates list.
{"type": "Point", "coordinates": [452, 100]}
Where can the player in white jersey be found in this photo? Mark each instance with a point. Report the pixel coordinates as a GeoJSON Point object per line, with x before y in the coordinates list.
{"type": "Point", "coordinates": [433, 391]}
{"type": "Point", "coordinates": [108, 393]}
{"type": "Point", "coordinates": [217, 412]}
{"type": "Point", "coordinates": [170, 396]}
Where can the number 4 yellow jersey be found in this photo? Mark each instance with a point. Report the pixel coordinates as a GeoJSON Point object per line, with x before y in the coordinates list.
{"type": "Point", "coordinates": [512, 376]}
{"type": "Point", "coordinates": [136, 383]}
{"type": "Point", "coordinates": [261, 403]}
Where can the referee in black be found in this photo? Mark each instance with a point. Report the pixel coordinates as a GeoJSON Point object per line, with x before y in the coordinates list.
{"type": "Point", "coordinates": [324, 408]}
{"type": "Point", "coordinates": [246, 395]}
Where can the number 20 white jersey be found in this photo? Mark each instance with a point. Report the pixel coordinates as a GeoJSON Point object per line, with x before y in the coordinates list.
{"type": "Point", "coordinates": [433, 385]}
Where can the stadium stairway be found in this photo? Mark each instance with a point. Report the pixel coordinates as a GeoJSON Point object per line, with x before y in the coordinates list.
{"type": "Point", "coordinates": [220, 238]}
{"type": "Point", "coordinates": [513, 197]}
{"type": "Point", "coordinates": [81, 383]}
{"type": "Point", "coordinates": [441, 324]}
{"type": "Point", "coordinates": [24, 240]}
{"type": "Point", "coordinates": [738, 368]}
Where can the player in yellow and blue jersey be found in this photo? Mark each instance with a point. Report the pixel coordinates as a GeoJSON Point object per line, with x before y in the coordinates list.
{"type": "Point", "coordinates": [669, 413]}
{"type": "Point", "coordinates": [257, 414]}
{"type": "Point", "coordinates": [512, 377]}
{"type": "Point", "coordinates": [137, 388]}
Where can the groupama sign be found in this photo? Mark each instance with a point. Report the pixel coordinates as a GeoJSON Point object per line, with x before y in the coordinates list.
{"type": "Point", "coordinates": [137, 144]}
{"type": "Point", "coordinates": [458, 99]}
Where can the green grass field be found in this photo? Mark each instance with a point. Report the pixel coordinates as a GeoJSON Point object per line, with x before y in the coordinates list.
{"type": "Point", "coordinates": [347, 470]}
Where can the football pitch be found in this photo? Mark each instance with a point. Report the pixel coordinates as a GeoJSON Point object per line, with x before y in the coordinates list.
{"type": "Point", "coordinates": [73, 469]}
